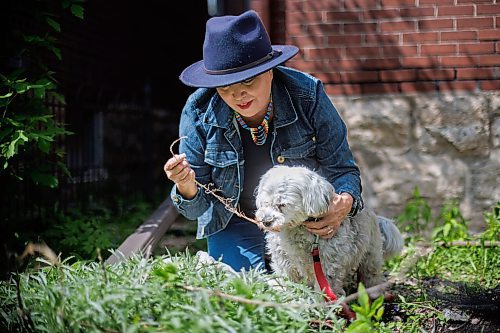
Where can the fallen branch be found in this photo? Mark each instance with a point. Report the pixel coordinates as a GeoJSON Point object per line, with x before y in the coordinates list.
{"type": "Point", "coordinates": [374, 291]}
{"type": "Point", "coordinates": [470, 243]}
{"type": "Point", "coordinates": [240, 299]}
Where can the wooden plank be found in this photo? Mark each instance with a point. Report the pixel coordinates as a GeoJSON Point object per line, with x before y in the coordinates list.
{"type": "Point", "coordinates": [147, 235]}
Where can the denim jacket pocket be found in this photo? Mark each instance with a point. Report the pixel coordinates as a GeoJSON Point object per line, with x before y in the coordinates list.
{"type": "Point", "coordinates": [303, 150]}
{"type": "Point", "coordinates": [224, 169]}
{"type": "Point", "coordinates": [220, 159]}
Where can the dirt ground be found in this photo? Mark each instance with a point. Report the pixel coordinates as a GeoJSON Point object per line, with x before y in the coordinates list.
{"type": "Point", "coordinates": [467, 309]}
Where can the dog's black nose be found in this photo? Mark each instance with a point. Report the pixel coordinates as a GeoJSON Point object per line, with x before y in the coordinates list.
{"type": "Point", "coordinates": [267, 223]}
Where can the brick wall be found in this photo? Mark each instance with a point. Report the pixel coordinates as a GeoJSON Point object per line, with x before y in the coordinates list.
{"type": "Point", "coordinates": [391, 46]}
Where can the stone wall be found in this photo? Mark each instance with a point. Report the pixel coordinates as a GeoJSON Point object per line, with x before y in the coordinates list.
{"type": "Point", "coordinates": [447, 144]}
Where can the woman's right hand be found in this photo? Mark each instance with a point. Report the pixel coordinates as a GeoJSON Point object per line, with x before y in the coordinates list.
{"type": "Point", "coordinates": [179, 171]}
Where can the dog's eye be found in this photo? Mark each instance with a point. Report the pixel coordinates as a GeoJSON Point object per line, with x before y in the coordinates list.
{"type": "Point", "coordinates": [280, 206]}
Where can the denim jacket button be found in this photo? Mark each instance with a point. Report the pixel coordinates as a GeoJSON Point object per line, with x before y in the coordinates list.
{"type": "Point", "coordinates": [280, 159]}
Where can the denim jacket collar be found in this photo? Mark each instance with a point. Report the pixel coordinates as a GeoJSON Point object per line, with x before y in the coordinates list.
{"type": "Point", "coordinates": [221, 115]}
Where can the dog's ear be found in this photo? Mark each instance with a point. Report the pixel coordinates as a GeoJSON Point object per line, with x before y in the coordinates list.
{"type": "Point", "coordinates": [317, 196]}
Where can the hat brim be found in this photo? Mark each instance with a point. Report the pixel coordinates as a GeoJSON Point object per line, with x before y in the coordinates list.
{"type": "Point", "coordinates": [196, 76]}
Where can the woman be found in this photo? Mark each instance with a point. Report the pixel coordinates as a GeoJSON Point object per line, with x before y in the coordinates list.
{"type": "Point", "coordinates": [249, 114]}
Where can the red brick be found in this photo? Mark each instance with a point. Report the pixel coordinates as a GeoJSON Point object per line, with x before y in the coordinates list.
{"type": "Point", "coordinates": [489, 34]}
{"type": "Point", "coordinates": [308, 41]}
{"type": "Point", "coordinates": [438, 49]}
{"type": "Point", "coordinates": [475, 73]}
{"type": "Point", "coordinates": [344, 16]}
{"type": "Point", "coordinates": [474, 1]}
{"type": "Point", "coordinates": [490, 85]}
{"type": "Point", "coordinates": [343, 89]}
{"type": "Point", "coordinates": [489, 60]}
{"type": "Point", "coordinates": [359, 4]}
{"type": "Point", "coordinates": [435, 24]}
{"type": "Point", "coordinates": [420, 37]}
{"type": "Point", "coordinates": [395, 50]}
{"type": "Point", "coordinates": [455, 10]}
{"type": "Point", "coordinates": [457, 85]}
{"type": "Point", "coordinates": [483, 22]}
{"type": "Point", "coordinates": [348, 64]}
{"type": "Point", "coordinates": [363, 52]}
{"type": "Point", "coordinates": [419, 62]}
{"type": "Point", "coordinates": [297, 5]}
{"type": "Point", "coordinates": [323, 53]}
{"type": "Point", "coordinates": [360, 27]}
{"type": "Point", "coordinates": [360, 76]}
{"type": "Point", "coordinates": [436, 2]}
{"type": "Point", "coordinates": [380, 39]}
{"type": "Point", "coordinates": [398, 75]}
{"type": "Point", "coordinates": [459, 61]}
{"type": "Point", "coordinates": [378, 14]}
{"type": "Point", "coordinates": [310, 66]}
{"type": "Point", "coordinates": [296, 29]}
{"type": "Point", "coordinates": [318, 4]}
{"type": "Point", "coordinates": [380, 88]}
{"type": "Point", "coordinates": [323, 29]}
{"type": "Point", "coordinates": [309, 17]}
{"type": "Point", "coordinates": [436, 74]}
{"type": "Point", "coordinates": [417, 12]}
{"type": "Point", "coordinates": [488, 9]}
{"type": "Point", "coordinates": [398, 26]}
{"type": "Point", "coordinates": [458, 35]}
{"type": "Point", "coordinates": [384, 63]}
{"type": "Point", "coordinates": [327, 77]}
{"type": "Point", "coordinates": [397, 3]}
{"type": "Point", "coordinates": [410, 87]}
{"type": "Point", "coordinates": [344, 40]}
{"type": "Point", "coordinates": [479, 48]}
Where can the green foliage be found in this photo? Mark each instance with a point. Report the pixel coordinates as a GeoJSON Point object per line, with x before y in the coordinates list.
{"type": "Point", "coordinates": [28, 130]}
{"type": "Point", "coordinates": [417, 214]}
{"type": "Point", "coordinates": [128, 297]}
{"type": "Point", "coordinates": [79, 233]}
{"type": "Point", "coordinates": [368, 315]}
{"type": "Point", "coordinates": [492, 219]}
{"type": "Point", "coordinates": [451, 225]}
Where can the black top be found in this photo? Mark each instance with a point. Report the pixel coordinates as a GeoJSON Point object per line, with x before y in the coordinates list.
{"type": "Point", "coordinates": [257, 162]}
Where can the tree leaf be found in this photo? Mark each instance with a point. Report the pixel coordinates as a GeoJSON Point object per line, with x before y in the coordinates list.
{"type": "Point", "coordinates": [7, 95]}
{"type": "Point", "coordinates": [77, 10]}
{"type": "Point", "coordinates": [54, 24]}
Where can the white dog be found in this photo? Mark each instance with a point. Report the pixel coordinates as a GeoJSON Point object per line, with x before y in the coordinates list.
{"type": "Point", "coordinates": [288, 196]}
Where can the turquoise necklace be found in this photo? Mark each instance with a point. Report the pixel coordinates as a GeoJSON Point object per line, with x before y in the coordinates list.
{"type": "Point", "coordinates": [259, 134]}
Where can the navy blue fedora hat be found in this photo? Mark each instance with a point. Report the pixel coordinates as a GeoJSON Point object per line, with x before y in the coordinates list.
{"type": "Point", "coordinates": [236, 48]}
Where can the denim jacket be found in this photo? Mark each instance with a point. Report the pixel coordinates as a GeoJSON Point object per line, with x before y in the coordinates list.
{"type": "Point", "coordinates": [307, 131]}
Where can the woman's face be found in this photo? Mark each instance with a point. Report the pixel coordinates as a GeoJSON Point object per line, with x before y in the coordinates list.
{"type": "Point", "coordinates": [250, 97]}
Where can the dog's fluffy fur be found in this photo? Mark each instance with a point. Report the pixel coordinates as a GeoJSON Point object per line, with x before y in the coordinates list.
{"type": "Point", "coordinates": [286, 197]}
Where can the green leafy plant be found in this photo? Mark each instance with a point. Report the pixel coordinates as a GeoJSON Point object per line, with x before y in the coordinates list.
{"type": "Point", "coordinates": [28, 130]}
{"type": "Point", "coordinates": [451, 225]}
{"type": "Point", "coordinates": [368, 314]}
{"type": "Point", "coordinates": [492, 219]}
{"type": "Point", "coordinates": [417, 214]}
{"type": "Point", "coordinates": [80, 232]}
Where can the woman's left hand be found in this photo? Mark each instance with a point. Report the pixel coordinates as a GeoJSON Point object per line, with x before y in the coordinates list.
{"type": "Point", "coordinates": [337, 211]}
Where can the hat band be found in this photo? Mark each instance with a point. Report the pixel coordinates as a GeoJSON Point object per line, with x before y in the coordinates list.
{"type": "Point", "coordinates": [247, 66]}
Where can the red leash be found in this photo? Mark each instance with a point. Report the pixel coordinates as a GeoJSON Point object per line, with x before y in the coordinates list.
{"type": "Point", "coordinates": [320, 276]}
{"type": "Point", "coordinates": [324, 285]}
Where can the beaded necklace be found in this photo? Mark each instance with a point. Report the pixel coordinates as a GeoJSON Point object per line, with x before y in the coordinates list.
{"type": "Point", "coordinates": [259, 134]}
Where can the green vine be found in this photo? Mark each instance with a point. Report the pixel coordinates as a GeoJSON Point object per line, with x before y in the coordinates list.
{"type": "Point", "coordinates": [28, 129]}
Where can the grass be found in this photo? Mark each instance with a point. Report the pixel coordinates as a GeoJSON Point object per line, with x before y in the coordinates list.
{"type": "Point", "coordinates": [177, 293]}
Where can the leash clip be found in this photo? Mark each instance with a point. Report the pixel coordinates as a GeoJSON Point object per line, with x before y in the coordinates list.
{"type": "Point", "coordinates": [315, 244]}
